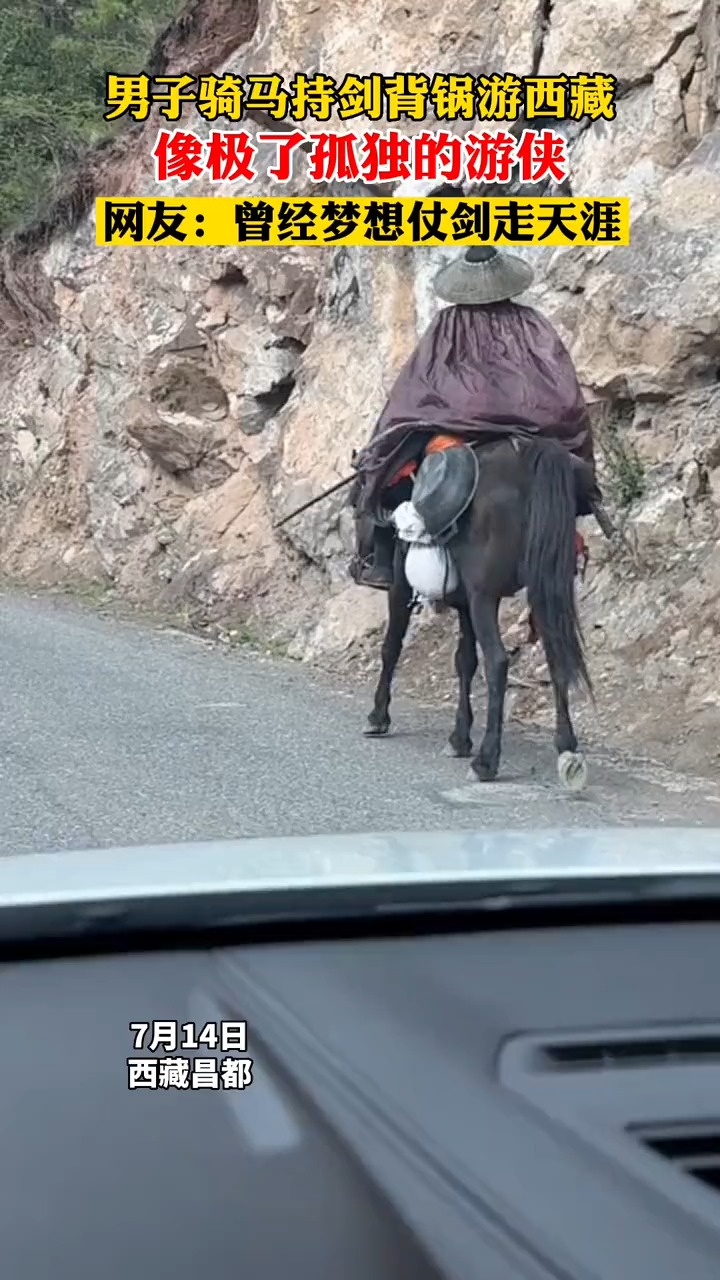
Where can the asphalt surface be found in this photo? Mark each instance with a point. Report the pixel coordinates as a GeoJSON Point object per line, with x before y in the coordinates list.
{"type": "Point", "coordinates": [114, 732]}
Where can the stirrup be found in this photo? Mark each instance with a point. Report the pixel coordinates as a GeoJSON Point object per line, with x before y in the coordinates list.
{"type": "Point", "coordinates": [362, 571]}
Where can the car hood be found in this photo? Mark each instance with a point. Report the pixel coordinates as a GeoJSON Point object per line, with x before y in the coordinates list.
{"type": "Point", "coordinates": [409, 858]}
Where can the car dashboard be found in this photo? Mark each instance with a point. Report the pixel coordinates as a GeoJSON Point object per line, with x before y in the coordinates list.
{"type": "Point", "coordinates": [508, 1098]}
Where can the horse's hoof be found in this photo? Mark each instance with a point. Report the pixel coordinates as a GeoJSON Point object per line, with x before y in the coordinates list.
{"type": "Point", "coordinates": [457, 751]}
{"type": "Point", "coordinates": [572, 770]}
{"type": "Point", "coordinates": [376, 730]}
{"type": "Point", "coordinates": [480, 772]}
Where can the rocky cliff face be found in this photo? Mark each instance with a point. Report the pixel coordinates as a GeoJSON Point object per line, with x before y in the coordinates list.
{"type": "Point", "coordinates": [161, 408]}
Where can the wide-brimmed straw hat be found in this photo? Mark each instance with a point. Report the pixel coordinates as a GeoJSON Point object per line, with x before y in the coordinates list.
{"type": "Point", "coordinates": [483, 275]}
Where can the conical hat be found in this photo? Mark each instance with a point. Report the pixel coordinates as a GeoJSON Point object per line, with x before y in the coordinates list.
{"type": "Point", "coordinates": [483, 275]}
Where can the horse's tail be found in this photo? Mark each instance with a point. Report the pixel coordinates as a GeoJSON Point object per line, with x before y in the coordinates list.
{"type": "Point", "coordinates": [550, 561]}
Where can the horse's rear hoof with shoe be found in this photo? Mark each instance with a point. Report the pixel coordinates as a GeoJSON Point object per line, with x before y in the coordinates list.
{"type": "Point", "coordinates": [572, 770]}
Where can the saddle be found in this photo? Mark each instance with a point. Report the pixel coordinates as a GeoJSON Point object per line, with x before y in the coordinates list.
{"type": "Point", "coordinates": [439, 490]}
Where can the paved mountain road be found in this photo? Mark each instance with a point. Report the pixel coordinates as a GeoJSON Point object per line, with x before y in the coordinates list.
{"type": "Point", "coordinates": [114, 732]}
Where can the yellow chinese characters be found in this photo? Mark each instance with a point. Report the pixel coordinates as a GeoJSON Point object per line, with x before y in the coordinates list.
{"type": "Point", "coordinates": [320, 221]}
{"type": "Point", "coordinates": [410, 96]}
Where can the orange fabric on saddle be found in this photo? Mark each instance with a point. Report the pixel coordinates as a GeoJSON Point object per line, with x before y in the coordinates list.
{"type": "Point", "coordinates": [440, 442]}
{"type": "Point", "coordinates": [435, 445]}
{"type": "Point", "coordinates": [408, 470]}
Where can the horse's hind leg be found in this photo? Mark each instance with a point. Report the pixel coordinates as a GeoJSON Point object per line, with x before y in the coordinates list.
{"type": "Point", "coordinates": [484, 614]}
{"type": "Point", "coordinates": [466, 664]}
{"type": "Point", "coordinates": [565, 739]}
{"type": "Point", "coordinates": [399, 613]}
{"type": "Point", "coordinates": [572, 769]}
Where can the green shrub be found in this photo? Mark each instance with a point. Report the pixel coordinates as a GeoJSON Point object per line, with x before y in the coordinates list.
{"type": "Point", "coordinates": [54, 56]}
{"type": "Point", "coordinates": [624, 465]}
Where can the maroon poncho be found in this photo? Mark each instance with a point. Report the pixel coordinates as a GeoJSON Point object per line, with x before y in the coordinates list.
{"type": "Point", "coordinates": [483, 371]}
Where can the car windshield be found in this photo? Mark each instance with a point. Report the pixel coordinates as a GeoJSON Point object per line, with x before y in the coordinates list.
{"type": "Point", "coordinates": [359, 459]}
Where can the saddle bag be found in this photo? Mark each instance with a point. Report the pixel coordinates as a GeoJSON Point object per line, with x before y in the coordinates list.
{"type": "Point", "coordinates": [429, 568]}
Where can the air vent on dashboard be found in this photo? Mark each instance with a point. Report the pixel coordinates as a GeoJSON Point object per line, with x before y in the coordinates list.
{"type": "Point", "coordinates": [577, 1055]}
{"type": "Point", "coordinates": [693, 1149]}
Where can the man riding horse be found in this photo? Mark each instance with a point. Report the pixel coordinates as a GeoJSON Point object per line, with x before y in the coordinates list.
{"type": "Point", "coordinates": [487, 368]}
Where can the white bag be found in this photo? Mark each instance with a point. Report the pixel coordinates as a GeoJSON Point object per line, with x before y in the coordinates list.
{"type": "Point", "coordinates": [429, 569]}
{"type": "Point", "coordinates": [410, 524]}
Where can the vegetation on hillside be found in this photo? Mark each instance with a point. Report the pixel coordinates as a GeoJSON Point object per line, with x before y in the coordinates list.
{"type": "Point", "coordinates": [54, 56]}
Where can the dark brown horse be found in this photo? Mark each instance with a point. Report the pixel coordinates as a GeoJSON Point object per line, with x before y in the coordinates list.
{"type": "Point", "coordinates": [519, 532]}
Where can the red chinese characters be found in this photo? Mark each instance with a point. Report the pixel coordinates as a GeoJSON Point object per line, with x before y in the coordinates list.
{"type": "Point", "coordinates": [377, 156]}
